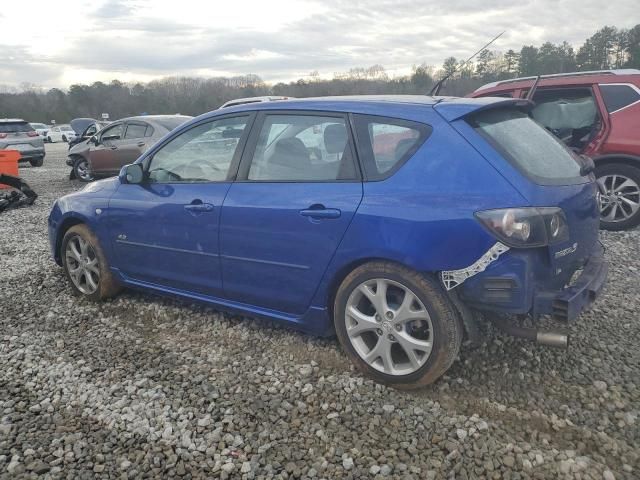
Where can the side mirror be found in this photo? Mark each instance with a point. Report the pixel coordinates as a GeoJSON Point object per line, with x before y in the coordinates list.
{"type": "Point", "coordinates": [132, 174]}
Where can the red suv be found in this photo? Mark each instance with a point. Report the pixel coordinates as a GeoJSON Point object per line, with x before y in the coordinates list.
{"type": "Point", "coordinates": [595, 114]}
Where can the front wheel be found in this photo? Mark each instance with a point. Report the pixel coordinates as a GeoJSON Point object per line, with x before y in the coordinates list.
{"type": "Point", "coordinates": [86, 266]}
{"type": "Point", "coordinates": [49, 140]}
{"type": "Point", "coordinates": [82, 171]}
{"type": "Point", "coordinates": [619, 188]}
{"type": "Point", "coordinates": [396, 325]}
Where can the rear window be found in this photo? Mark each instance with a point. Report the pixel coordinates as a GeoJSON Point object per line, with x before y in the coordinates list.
{"type": "Point", "coordinates": [14, 127]}
{"type": "Point", "coordinates": [617, 97]}
{"type": "Point", "coordinates": [385, 144]}
{"type": "Point", "coordinates": [534, 151]}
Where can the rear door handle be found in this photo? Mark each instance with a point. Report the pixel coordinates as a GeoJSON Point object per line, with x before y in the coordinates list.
{"type": "Point", "coordinates": [198, 207]}
{"type": "Point", "coordinates": [320, 212]}
{"type": "Point", "coordinates": [141, 144]}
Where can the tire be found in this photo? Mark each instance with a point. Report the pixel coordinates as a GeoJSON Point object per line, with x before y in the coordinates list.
{"type": "Point", "coordinates": [64, 139]}
{"type": "Point", "coordinates": [442, 327]}
{"type": "Point", "coordinates": [49, 140]}
{"type": "Point", "coordinates": [105, 284]}
{"type": "Point", "coordinates": [82, 171]}
{"type": "Point", "coordinates": [36, 162]}
{"type": "Point", "coordinates": [621, 198]}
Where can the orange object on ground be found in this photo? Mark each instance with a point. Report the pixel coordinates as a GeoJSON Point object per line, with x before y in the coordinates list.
{"type": "Point", "coordinates": [9, 163]}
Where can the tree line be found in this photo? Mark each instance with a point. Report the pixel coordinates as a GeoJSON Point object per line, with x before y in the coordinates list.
{"type": "Point", "coordinates": [608, 48]}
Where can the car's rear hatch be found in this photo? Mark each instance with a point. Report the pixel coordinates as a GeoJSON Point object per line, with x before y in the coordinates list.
{"type": "Point", "coordinates": [539, 166]}
{"type": "Point", "coordinates": [18, 135]}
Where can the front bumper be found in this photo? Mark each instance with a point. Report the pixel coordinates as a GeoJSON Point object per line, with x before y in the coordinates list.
{"type": "Point", "coordinates": [522, 283]}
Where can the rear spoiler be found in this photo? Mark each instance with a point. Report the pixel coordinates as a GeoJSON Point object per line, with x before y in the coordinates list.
{"type": "Point", "coordinates": [455, 108]}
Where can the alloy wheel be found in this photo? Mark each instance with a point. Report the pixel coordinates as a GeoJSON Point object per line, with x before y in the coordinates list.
{"type": "Point", "coordinates": [389, 327]}
{"type": "Point", "coordinates": [619, 197]}
{"type": "Point", "coordinates": [82, 265]}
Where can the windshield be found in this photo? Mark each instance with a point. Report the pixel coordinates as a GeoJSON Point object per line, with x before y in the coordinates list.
{"type": "Point", "coordinates": [528, 146]}
{"type": "Point", "coordinates": [66, 128]}
{"type": "Point", "coordinates": [39, 125]}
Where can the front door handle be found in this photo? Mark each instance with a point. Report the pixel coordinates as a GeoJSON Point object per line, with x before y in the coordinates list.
{"type": "Point", "coordinates": [319, 211]}
{"type": "Point", "coordinates": [113, 147]}
{"type": "Point", "coordinates": [197, 206]}
{"type": "Point", "coordinates": [141, 144]}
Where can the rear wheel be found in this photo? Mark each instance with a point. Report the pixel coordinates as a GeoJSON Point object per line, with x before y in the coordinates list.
{"type": "Point", "coordinates": [64, 138]}
{"type": "Point", "coordinates": [619, 188]}
{"type": "Point", "coordinates": [396, 325]}
{"type": "Point", "coordinates": [49, 140]}
{"type": "Point", "coordinates": [36, 162]}
{"type": "Point", "coordinates": [81, 170]}
{"type": "Point", "coordinates": [86, 266]}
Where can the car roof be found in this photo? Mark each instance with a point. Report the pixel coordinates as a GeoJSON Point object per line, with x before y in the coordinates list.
{"type": "Point", "coordinates": [449, 107]}
{"type": "Point", "coordinates": [151, 118]}
{"type": "Point", "coordinates": [561, 79]}
{"type": "Point", "coordinates": [12, 120]}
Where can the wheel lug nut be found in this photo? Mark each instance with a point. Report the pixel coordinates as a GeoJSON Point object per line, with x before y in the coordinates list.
{"type": "Point", "coordinates": [398, 327]}
{"type": "Point", "coordinates": [379, 332]}
{"type": "Point", "coordinates": [389, 315]}
{"type": "Point", "coordinates": [378, 318]}
{"type": "Point", "coordinates": [392, 338]}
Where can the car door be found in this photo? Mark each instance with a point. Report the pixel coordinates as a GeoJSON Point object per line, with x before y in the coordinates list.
{"type": "Point", "coordinates": [133, 143]}
{"type": "Point", "coordinates": [164, 231]}
{"type": "Point", "coordinates": [284, 217]}
{"type": "Point", "coordinates": [103, 154]}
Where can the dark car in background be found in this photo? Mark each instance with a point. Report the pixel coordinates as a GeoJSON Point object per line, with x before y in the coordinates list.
{"type": "Point", "coordinates": [596, 114]}
{"type": "Point", "coordinates": [17, 134]}
{"type": "Point", "coordinates": [119, 144]}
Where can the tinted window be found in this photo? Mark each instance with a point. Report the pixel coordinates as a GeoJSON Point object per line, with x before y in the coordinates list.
{"type": "Point", "coordinates": [527, 145]}
{"type": "Point", "coordinates": [172, 122]}
{"type": "Point", "coordinates": [13, 127]}
{"type": "Point", "coordinates": [112, 133]}
{"type": "Point", "coordinates": [386, 143]}
{"type": "Point", "coordinates": [618, 96]}
{"type": "Point", "coordinates": [304, 148]}
{"type": "Point", "coordinates": [135, 130]}
{"type": "Point", "coordinates": [201, 154]}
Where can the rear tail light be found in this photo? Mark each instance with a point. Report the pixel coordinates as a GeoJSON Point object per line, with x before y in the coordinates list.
{"type": "Point", "coordinates": [32, 133]}
{"type": "Point", "coordinates": [3, 135]}
{"type": "Point", "coordinates": [526, 227]}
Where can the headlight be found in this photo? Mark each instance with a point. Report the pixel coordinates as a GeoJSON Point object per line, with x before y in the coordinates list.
{"type": "Point", "coordinates": [526, 227]}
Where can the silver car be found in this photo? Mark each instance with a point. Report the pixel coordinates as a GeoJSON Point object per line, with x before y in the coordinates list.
{"type": "Point", "coordinates": [16, 134]}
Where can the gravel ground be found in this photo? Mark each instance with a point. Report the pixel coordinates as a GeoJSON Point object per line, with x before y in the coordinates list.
{"type": "Point", "coordinates": [147, 387]}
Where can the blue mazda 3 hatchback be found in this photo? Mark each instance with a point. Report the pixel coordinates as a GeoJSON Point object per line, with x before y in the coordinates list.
{"type": "Point", "coordinates": [390, 221]}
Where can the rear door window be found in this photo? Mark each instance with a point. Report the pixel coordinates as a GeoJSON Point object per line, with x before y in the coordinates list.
{"type": "Point", "coordinates": [530, 148]}
{"type": "Point", "coordinates": [385, 143]}
{"type": "Point", "coordinates": [617, 97]}
{"type": "Point", "coordinates": [135, 130]}
{"type": "Point", "coordinates": [571, 114]}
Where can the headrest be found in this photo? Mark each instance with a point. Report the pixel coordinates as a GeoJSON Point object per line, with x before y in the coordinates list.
{"type": "Point", "coordinates": [335, 138]}
{"type": "Point", "coordinates": [290, 151]}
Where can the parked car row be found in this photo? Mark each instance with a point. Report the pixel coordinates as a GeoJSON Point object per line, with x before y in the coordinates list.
{"type": "Point", "coordinates": [16, 134]}
{"type": "Point", "coordinates": [393, 222]}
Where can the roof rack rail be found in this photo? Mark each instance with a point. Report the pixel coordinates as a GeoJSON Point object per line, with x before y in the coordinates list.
{"type": "Point", "coordinates": [621, 71]}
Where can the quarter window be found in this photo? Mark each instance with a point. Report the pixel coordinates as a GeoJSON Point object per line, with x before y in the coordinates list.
{"type": "Point", "coordinates": [386, 143]}
{"type": "Point", "coordinates": [617, 97]}
{"type": "Point", "coordinates": [201, 154]}
{"type": "Point", "coordinates": [303, 148]}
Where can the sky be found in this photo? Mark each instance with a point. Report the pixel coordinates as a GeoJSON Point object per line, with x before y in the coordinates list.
{"type": "Point", "coordinates": [56, 44]}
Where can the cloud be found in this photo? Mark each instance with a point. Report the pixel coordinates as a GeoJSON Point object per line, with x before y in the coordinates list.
{"type": "Point", "coordinates": [288, 40]}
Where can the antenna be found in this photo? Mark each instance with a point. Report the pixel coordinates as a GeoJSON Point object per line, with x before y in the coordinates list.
{"type": "Point", "coordinates": [532, 90]}
{"type": "Point", "coordinates": [436, 88]}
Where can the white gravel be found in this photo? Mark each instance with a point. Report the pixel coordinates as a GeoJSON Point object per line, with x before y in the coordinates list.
{"type": "Point", "coordinates": [146, 387]}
